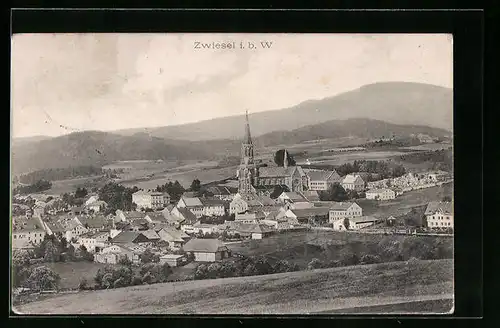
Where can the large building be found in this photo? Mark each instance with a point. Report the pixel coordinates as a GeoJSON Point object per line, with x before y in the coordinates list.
{"type": "Point", "coordinates": [148, 199]}
{"type": "Point", "coordinates": [250, 176]}
{"type": "Point", "coordinates": [439, 215]}
{"type": "Point", "coordinates": [322, 180]}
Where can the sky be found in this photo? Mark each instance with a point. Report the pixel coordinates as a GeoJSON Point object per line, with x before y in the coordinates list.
{"type": "Point", "coordinates": [62, 83]}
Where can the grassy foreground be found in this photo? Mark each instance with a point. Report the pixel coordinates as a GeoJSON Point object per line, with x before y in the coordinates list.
{"type": "Point", "coordinates": [317, 291]}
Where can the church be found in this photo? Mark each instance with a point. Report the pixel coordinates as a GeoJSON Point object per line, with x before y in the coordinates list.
{"type": "Point", "coordinates": [252, 177]}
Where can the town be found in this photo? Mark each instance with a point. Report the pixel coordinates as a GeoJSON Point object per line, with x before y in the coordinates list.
{"type": "Point", "coordinates": [209, 231]}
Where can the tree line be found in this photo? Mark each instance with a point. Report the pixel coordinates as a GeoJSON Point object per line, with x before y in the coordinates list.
{"type": "Point", "coordinates": [60, 173]}
{"type": "Point", "coordinates": [381, 168]}
{"type": "Point", "coordinates": [442, 159]}
{"type": "Point", "coordinates": [38, 186]}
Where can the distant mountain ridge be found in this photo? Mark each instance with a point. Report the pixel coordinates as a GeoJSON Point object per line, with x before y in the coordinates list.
{"type": "Point", "coordinates": [100, 148]}
{"type": "Point", "coordinates": [394, 102]}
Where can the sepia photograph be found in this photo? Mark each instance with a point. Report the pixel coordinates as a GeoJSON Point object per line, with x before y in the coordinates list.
{"type": "Point", "coordinates": [232, 174]}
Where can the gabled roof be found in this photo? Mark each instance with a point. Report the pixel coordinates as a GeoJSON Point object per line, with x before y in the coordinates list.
{"type": "Point", "coordinates": [134, 215]}
{"type": "Point", "coordinates": [341, 206]}
{"type": "Point", "coordinates": [293, 196]}
{"type": "Point", "coordinates": [318, 175]}
{"type": "Point", "coordinates": [139, 222]}
{"type": "Point", "coordinates": [378, 191]}
{"type": "Point", "coordinates": [352, 179]}
{"type": "Point", "coordinates": [212, 202]}
{"type": "Point", "coordinates": [95, 222]}
{"type": "Point", "coordinates": [129, 237]}
{"type": "Point", "coordinates": [192, 201]}
{"type": "Point", "coordinates": [203, 245]}
{"type": "Point", "coordinates": [443, 207]}
{"type": "Point", "coordinates": [150, 234]}
{"type": "Point", "coordinates": [173, 234]}
{"type": "Point", "coordinates": [310, 212]}
{"type": "Point", "coordinates": [157, 216]}
{"type": "Point", "coordinates": [189, 216]}
{"type": "Point", "coordinates": [220, 190]}
{"type": "Point", "coordinates": [94, 234]}
{"type": "Point", "coordinates": [274, 172]}
{"type": "Point", "coordinates": [311, 195]}
{"type": "Point", "coordinates": [363, 219]}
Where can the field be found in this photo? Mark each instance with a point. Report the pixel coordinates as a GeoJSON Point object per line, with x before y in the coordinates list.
{"type": "Point", "coordinates": [60, 187]}
{"type": "Point", "coordinates": [430, 146]}
{"type": "Point", "coordinates": [405, 202]}
{"type": "Point", "coordinates": [342, 158]}
{"type": "Point", "coordinates": [72, 272]}
{"type": "Point", "coordinates": [301, 247]}
{"type": "Point", "coordinates": [303, 292]}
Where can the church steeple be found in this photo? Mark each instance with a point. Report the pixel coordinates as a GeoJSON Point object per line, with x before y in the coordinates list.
{"type": "Point", "coordinates": [285, 159]}
{"type": "Point", "coordinates": [247, 138]}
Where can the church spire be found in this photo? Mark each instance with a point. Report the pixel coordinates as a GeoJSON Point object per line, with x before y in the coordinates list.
{"type": "Point", "coordinates": [248, 138]}
{"type": "Point", "coordinates": [285, 159]}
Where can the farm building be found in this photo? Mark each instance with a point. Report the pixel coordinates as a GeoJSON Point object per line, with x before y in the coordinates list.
{"type": "Point", "coordinates": [355, 223]}
{"type": "Point", "coordinates": [172, 259]}
{"type": "Point", "coordinates": [207, 250]}
{"type": "Point", "coordinates": [255, 231]}
{"type": "Point", "coordinates": [380, 194]}
{"type": "Point", "coordinates": [308, 215]}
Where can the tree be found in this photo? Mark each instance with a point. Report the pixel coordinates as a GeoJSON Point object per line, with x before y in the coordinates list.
{"type": "Point", "coordinates": [83, 284]}
{"type": "Point", "coordinates": [43, 278]}
{"type": "Point", "coordinates": [277, 191]}
{"type": "Point", "coordinates": [279, 157]}
{"type": "Point", "coordinates": [52, 254]}
{"type": "Point", "coordinates": [125, 261]}
{"type": "Point", "coordinates": [149, 257]}
{"type": "Point", "coordinates": [347, 223]}
{"type": "Point", "coordinates": [195, 185]}
{"type": "Point", "coordinates": [315, 264]}
{"type": "Point", "coordinates": [446, 199]}
{"type": "Point", "coordinates": [80, 192]}
{"type": "Point", "coordinates": [370, 259]}
{"type": "Point", "coordinates": [335, 193]}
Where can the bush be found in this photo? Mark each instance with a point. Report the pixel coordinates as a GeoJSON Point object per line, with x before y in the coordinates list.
{"type": "Point", "coordinates": [201, 272]}
{"type": "Point", "coordinates": [315, 264]}
{"type": "Point", "coordinates": [125, 261]}
{"type": "Point", "coordinates": [83, 284]}
{"type": "Point", "coordinates": [370, 259]}
{"type": "Point", "coordinates": [43, 278]}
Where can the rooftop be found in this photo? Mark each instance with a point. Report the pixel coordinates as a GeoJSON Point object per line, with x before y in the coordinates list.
{"type": "Point", "coordinates": [443, 207]}
{"type": "Point", "coordinates": [341, 206]}
{"type": "Point", "coordinates": [204, 245]}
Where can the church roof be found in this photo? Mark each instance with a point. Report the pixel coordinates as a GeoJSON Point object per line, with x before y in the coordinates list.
{"type": "Point", "coordinates": [273, 172]}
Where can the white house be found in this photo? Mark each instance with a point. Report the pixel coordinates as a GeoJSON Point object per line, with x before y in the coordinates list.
{"type": "Point", "coordinates": [242, 205]}
{"type": "Point", "coordinates": [91, 199]}
{"type": "Point", "coordinates": [439, 215]}
{"type": "Point", "coordinates": [319, 180]}
{"type": "Point", "coordinates": [249, 217]}
{"type": "Point", "coordinates": [380, 194]}
{"type": "Point", "coordinates": [150, 199]}
{"type": "Point", "coordinates": [355, 223]}
{"type": "Point", "coordinates": [26, 233]}
{"type": "Point", "coordinates": [172, 259]}
{"type": "Point", "coordinates": [202, 207]}
{"type": "Point", "coordinates": [353, 182]}
{"type": "Point", "coordinates": [96, 206]}
{"type": "Point", "coordinates": [94, 241]}
{"type": "Point", "coordinates": [341, 210]}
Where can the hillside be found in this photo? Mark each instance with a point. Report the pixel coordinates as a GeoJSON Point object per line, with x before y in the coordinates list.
{"type": "Point", "coordinates": [394, 102]}
{"type": "Point", "coordinates": [301, 292]}
{"type": "Point", "coordinates": [97, 148]}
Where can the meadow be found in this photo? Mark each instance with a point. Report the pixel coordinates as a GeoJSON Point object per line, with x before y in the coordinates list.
{"type": "Point", "coordinates": [302, 292]}
{"type": "Point", "coordinates": [71, 273]}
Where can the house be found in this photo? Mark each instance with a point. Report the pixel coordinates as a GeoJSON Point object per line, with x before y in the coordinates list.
{"type": "Point", "coordinates": [156, 217]}
{"type": "Point", "coordinates": [94, 224]}
{"type": "Point", "coordinates": [424, 138]}
{"type": "Point", "coordinates": [255, 231]}
{"type": "Point", "coordinates": [186, 218]}
{"type": "Point", "coordinates": [96, 206]}
{"type": "Point", "coordinates": [241, 204]}
{"type": "Point", "coordinates": [204, 228]}
{"type": "Point", "coordinates": [128, 215]}
{"type": "Point", "coordinates": [437, 176]}
{"type": "Point", "coordinates": [202, 206]}
{"type": "Point", "coordinates": [294, 200]}
{"type": "Point", "coordinates": [319, 180]}
{"type": "Point", "coordinates": [439, 215]}
{"type": "Point", "coordinates": [91, 199]}
{"type": "Point", "coordinates": [77, 210]}
{"type": "Point", "coordinates": [222, 192]}
{"type": "Point", "coordinates": [311, 195]}
{"type": "Point", "coordinates": [94, 241]}
{"type": "Point", "coordinates": [309, 215]}
{"type": "Point", "coordinates": [152, 235]}
{"type": "Point", "coordinates": [207, 250]}
{"type": "Point", "coordinates": [353, 182]}
{"type": "Point", "coordinates": [113, 253]}
{"type": "Point", "coordinates": [355, 223]}
{"type": "Point", "coordinates": [39, 209]}
{"type": "Point", "coordinates": [175, 238]}
{"type": "Point", "coordinates": [250, 217]}
{"type": "Point", "coordinates": [168, 209]}
{"type": "Point", "coordinates": [380, 194]}
{"type": "Point", "coordinates": [342, 210]}
{"type": "Point", "coordinates": [125, 237]}
{"type": "Point", "coordinates": [172, 259]}
{"type": "Point", "coordinates": [73, 228]}
{"type": "Point", "coordinates": [26, 233]}
{"type": "Point", "coordinates": [150, 199]}
{"type": "Point", "coordinates": [138, 225]}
